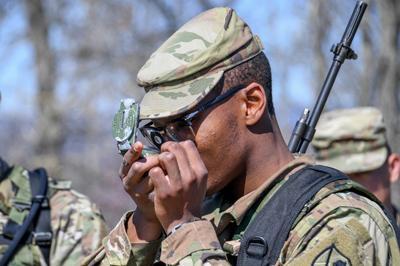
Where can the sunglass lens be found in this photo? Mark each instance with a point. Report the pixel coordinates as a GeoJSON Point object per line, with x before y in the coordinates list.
{"type": "Point", "coordinates": [179, 131]}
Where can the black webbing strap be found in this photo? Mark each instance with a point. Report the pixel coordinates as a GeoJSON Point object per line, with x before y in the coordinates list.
{"type": "Point", "coordinates": [41, 234]}
{"type": "Point", "coordinates": [39, 184]}
{"type": "Point", "coordinates": [264, 238]}
{"type": "Point", "coordinates": [4, 169]}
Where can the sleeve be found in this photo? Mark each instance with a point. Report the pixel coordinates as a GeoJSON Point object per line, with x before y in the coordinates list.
{"type": "Point", "coordinates": [345, 239]}
{"type": "Point", "coordinates": [78, 227]}
{"type": "Point", "coordinates": [195, 243]}
{"type": "Point", "coordinates": [116, 249]}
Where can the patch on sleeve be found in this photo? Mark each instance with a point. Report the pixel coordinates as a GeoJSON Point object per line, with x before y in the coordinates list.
{"type": "Point", "coordinates": [331, 256]}
{"type": "Point", "coordinates": [337, 243]}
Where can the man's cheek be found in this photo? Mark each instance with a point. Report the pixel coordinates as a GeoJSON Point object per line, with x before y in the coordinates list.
{"type": "Point", "coordinates": [212, 185]}
{"type": "Point", "coordinates": [204, 145]}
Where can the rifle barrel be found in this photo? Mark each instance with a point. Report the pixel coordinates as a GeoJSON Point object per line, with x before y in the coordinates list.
{"type": "Point", "coordinates": [342, 51]}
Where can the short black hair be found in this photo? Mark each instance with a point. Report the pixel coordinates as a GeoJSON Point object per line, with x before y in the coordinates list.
{"type": "Point", "coordinates": [257, 70]}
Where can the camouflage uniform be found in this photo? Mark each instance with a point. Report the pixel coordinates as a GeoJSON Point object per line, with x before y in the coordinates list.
{"type": "Point", "coordinates": [352, 140]}
{"type": "Point", "coordinates": [336, 226]}
{"type": "Point", "coordinates": [351, 228]}
{"type": "Point", "coordinates": [77, 224]}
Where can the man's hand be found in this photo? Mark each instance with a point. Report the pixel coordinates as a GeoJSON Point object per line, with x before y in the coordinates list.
{"type": "Point", "coordinates": [133, 172]}
{"type": "Point", "coordinates": [180, 183]}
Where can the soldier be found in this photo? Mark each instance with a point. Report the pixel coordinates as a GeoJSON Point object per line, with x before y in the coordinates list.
{"type": "Point", "coordinates": [354, 141]}
{"type": "Point", "coordinates": [225, 189]}
{"type": "Point", "coordinates": [68, 229]}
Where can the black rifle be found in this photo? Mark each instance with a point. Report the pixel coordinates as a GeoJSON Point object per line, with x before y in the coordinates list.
{"type": "Point", "coordinates": [304, 130]}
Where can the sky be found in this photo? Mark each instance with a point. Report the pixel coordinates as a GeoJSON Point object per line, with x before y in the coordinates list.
{"type": "Point", "coordinates": [17, 81]}
{"type": "Point", "coordinates": [278, 23]}
{"type": "Point", "coordinates": [18, 84]}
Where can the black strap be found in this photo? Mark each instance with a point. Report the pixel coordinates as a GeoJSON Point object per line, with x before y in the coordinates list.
{"type": "Point", "coordinates": [39, 184]}
{"type": "Point", "coordinates": [4, 169]}
{"type": "Point", "coordinates": [41, 234]}
{"type": "Point", "coordinates": [264, 238]}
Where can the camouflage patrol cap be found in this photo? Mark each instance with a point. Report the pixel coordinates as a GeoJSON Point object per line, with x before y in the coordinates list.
{"type": "Point", "coordinates": [190, 63]}
{"type": "Point", "coordinates": [351, 140]}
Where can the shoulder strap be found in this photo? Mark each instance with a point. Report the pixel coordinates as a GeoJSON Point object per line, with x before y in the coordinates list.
{"type": "Point", "coordinates": [4, 169]}
{"type": "Point", "coordinates": [265, 236]}
{"type": "Point", "coordinates": [39, 185]}
{"type": "Point", "coordinates": [41, 234]}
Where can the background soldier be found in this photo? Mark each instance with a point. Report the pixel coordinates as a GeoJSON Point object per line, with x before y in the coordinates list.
{"type": "Point", "coordinates": [75, 226]}
{"type": "Point", "coordinates": [208, 88]}
{"type": "Point", "coordinates": [354, 141]}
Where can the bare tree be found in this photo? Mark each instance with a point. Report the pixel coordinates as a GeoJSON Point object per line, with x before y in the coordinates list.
{"type": "Point", "coordinates": [367, 86]}
{"type": "Point", "coordinates": [388, 71]}
{"type": "Point", "coordinates": [50, 134]}
{"type": "Point", "coordinates": [319, 21]}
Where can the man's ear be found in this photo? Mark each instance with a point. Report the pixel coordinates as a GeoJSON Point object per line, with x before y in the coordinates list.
{"type": "Point", "coordinates": [394, 167]}
{"type": "Point", "coordinates": [255, 103]}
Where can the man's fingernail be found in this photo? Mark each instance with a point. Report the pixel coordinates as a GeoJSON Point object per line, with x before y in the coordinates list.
{"type": "Point", "coordinates": [135, 148]}
{"type": "Point", "coordinates": [132, 150]}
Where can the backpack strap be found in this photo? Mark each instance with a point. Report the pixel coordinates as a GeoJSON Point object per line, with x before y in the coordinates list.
{"type": "Point", "coordinates": [20, 234]}
{"type": "Point", "coordinates": [41, 233]}
{"type": "Point", "coordinates": [4, 169]}
{"type": "Point", "coordinates": [264, 238]}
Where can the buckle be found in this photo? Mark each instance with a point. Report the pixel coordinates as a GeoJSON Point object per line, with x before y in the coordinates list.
{"type": "Point", "coordinates": [42, 238]}
{"type": "Point", "coordinates": [256, 247]}
{"type": "Point", "coordinates": [43, 199]}
{"type": "Point", "coordinates": [21, 206]}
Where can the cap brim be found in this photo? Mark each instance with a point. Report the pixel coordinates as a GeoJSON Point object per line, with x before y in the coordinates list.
{"type": "Point", "coordinates": [357, 163]}
{"type": "Point", "coordinates": [166, 101]}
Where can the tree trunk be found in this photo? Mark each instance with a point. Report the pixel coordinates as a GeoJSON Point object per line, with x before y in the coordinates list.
{"type": "Point", "coordinates": [389, 69]}
{"type": "Point", "coordinates": [319, 26]}
{"type": "Point", "coordinates": [49, 139]}
{"type": "Point", "coordinates": [367, 82]}
{"type": "Point", "coordinates": [389, 73]}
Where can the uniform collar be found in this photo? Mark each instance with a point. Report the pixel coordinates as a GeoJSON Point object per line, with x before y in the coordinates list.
{"type": "Point", "coordinates": [221, 216]}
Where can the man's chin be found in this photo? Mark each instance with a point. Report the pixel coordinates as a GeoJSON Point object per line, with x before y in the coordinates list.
{"type": "Point", "coordinates": [220, 186]}
{"type": "Point", "coordinates": [215, 188]}
{"type": "Point", "coordinates": [210, 192]}
{"type": "Point", "coordinates": [212, 189]}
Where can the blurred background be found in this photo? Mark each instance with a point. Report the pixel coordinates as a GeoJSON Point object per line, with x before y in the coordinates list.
{"type": "Point", "coordinates": [66, 64]}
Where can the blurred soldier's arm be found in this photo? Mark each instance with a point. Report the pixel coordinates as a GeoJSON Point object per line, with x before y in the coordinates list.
{"type": "Point", "coordinates": [78, 227]}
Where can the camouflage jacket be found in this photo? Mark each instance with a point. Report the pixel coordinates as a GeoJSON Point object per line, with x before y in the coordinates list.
{"type": "Point", "coordinates": [336, 226]}
{"type": "Point", "coordinates": [77, 224]}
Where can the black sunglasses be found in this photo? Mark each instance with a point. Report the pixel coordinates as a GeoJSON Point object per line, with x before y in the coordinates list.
{"type": "Point", "coordinates": [181, 128]}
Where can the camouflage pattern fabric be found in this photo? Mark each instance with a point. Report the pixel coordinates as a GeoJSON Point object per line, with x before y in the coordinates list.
{"type": "Point", "coordinates": [337, 227]}
{"type": "Point", "coordinates": [77, 224]}
{"type": "Point", "coordinates": [351, 140]}
{"type": "Point", "coordinates": [191, 62]}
